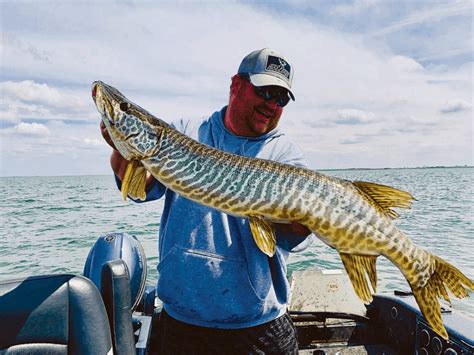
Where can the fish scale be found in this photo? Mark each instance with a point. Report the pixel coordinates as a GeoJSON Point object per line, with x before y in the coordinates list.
{"type": "Point", "coordinates": [352, 217]}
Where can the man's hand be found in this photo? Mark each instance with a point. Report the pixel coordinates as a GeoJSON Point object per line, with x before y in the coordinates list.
{"type": "Point", "coordinates": [117, 161]}
{"type": "Point", "coordinates": [106, 136]}
{"type": "Point", "coordinates": [293, 228]}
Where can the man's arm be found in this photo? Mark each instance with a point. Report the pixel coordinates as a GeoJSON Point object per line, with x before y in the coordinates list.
{"type": "Point", "coordinates": [293, 228]}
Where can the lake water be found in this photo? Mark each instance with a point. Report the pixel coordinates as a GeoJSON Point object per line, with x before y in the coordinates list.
{"type": "Point", "coordinates": [48, 224]}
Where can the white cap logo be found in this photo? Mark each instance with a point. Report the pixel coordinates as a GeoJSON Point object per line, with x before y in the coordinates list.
{"type": "Point", "coordinates": [279, 66]}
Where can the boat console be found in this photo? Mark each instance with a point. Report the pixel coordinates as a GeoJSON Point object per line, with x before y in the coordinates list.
{"type": "Point", "coordinates": [399, 323]}
{"type": "Point", "coordinates": [111, 310]}
{"type": "Point", "coordinates": [331, 319]}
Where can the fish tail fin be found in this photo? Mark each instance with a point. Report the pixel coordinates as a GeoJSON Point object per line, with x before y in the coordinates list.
{"type": "Point", "coordinates": [445, 275]}
{"type": "Point", "coordinates": [456, 281]}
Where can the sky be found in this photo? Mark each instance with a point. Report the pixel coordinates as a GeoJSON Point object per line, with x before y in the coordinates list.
{"type": "Point", "coordinates": [378, 83]}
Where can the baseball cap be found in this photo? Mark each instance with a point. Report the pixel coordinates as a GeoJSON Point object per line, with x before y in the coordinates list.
{"type": "Point", "coordinates": [267, 67]}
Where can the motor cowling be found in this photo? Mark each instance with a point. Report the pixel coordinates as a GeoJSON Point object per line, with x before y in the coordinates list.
{"type": "Point", "coordinates": [123, 246]}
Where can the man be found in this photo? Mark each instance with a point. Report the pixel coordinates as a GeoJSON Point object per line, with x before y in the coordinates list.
{"type": "Point", "coordinates": [220, 293]}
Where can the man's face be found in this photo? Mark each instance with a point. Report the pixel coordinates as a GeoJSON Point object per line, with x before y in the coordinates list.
{"type": "Point", "coordinates": [250, 115]}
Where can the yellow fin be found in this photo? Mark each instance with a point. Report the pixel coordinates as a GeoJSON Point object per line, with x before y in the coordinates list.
{"type": "Point", "coordinates": [383, 197]}
{"type": "Point", "coordinates": [138, 184]}
{"type": "Point", "coordinates": [439, 288]}
{"type": "Point", "coordinates": [357, 266]}
{"type": "Point", "coordinates": [454, 279]}
{"type": "Point", "coordinates": [126, 179]}
{"type": "Point", "coordinates": [430, 308]}
{"type": "Point", "coordinates": [445, 275]}
{"type": "Point", "coordinates": [264, 234]}
{"type": "Point", "coordinates": [134, 181]}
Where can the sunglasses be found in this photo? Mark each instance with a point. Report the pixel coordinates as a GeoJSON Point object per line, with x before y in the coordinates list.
{"type": "Point", "coordinates": [267, 93]}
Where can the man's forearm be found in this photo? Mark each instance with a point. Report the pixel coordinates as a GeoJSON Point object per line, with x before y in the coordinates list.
{"type": "Point", "coordinates": [294, 228]}
{"type": "Point", "coordinates": [118, 164]}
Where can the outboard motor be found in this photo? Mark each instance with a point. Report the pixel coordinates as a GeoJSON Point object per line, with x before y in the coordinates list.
{"type": "Point", "coordinates": [122, 246]}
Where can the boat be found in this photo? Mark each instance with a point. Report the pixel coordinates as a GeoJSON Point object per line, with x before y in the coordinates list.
{"type": "Point", "coordinates": [110, 310]}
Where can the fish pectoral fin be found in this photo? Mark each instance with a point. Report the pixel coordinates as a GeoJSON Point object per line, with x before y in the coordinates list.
{"type": "Point", "coordinates": [264, 234]}
{"type": "Point", "coordinates": [138, 184]}
{"type": "Point", "coordinates": [383, 198]}
{"type": "Point", "coordinates": [357, 266]}
{"type": "Point", "coordinates": [134, 181]}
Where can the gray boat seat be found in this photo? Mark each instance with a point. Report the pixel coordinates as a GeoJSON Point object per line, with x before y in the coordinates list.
{"type": "Point", "coordinates": [115, 289]}
{"type": "Point", "coordinates": [56, 314]}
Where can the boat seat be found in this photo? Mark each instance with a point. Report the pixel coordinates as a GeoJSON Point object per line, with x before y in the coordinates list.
{"type": "Point", "coordinates": [56, 314]}
{"type": "Point", "coordinates": [116, 294]}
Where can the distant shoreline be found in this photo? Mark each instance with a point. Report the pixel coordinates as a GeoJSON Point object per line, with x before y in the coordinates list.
{"type": "Point", "coordinates": [405, 168]}
{"type": "Point", "coordinates": [325, 169]}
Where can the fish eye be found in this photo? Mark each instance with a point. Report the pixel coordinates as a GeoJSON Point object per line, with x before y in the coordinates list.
{"type": "Point", "coordinates": [124, 106]}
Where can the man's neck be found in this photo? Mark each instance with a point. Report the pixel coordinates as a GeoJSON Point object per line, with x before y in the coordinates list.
{"type": "Point", "coordinates": [228, 123]}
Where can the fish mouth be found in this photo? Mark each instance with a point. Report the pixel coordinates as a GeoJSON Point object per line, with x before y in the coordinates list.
{"type": "Point", "coordinates": [95, 89]}
{"type": "Point", "coordinates": [102, 101]}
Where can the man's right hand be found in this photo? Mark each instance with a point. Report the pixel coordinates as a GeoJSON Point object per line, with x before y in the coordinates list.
{"type": "Point", "coordinates": [117, 161]}
{"type": "Point", "coordinates": [106, 136]}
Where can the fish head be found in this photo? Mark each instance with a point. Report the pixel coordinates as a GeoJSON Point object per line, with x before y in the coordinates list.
{"type": "Point", "coordinates": [135, 132]}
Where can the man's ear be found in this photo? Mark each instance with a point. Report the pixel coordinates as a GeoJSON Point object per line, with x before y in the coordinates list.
{"type": "Point", "coordinates": [235, 84]}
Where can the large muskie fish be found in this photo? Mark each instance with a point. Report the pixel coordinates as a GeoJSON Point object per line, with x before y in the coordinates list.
{"type": "Point", "coordinates": [352, 217]}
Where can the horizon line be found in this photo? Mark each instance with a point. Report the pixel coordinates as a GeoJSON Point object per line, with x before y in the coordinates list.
{"type": "Point", "coordinates": [324, 169]}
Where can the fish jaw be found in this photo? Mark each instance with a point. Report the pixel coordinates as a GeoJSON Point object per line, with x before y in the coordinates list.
{"type": "Point", "coordinates": [103, 102]}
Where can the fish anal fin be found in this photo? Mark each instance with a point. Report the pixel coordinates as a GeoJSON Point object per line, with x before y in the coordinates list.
{"type": "Point", "coordinates": [134, 181]}
{"type": "Point", "coordinates": [383, 198]}
{"type": "Point", "coordinates": [264, 234]}
{"type": "Point", "coordinates": [357, 266]}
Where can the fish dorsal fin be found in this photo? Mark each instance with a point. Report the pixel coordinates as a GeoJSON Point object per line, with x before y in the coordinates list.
{"type": "Point", "coordinates": [134, 181]}
{"type": "Point", "coordinates": [383, 198]}
{"type": "Point", "coordinates": [357, 266]}
{"type": "Point", "coordinates": [264, 234]}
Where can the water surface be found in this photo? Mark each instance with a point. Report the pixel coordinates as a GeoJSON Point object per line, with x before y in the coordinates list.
{"type": "Point", "coordinates": [48, 224]}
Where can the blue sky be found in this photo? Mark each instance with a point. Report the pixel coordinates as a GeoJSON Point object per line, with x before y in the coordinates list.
{"type": "Point", "coordinates": [378, 83]}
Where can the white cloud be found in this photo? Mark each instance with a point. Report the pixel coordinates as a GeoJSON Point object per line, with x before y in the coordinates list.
{"type": "Point", "coordinates": [30, 91]}
{"type": "Point", "coordinates": [169, 61]}
{"type": "Point", "coordinates": [430, 14]}
{"type": "Point", "coordinates": [354, 117]}
{"type": "Point", "coordinates": [93, 141]}
{"type": "Point", "coordinates": [29, 99]}
{"type": "Point", "coordinates": [455, 105]}
{"type": "Point", "coordinates": [405, 63]}
{"type": "Point", "coordinates": [9, 114]}
{"type": "Point", "coordinates": [13, 110]}
{"type": "Point", "coordinates": [33, 129]}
